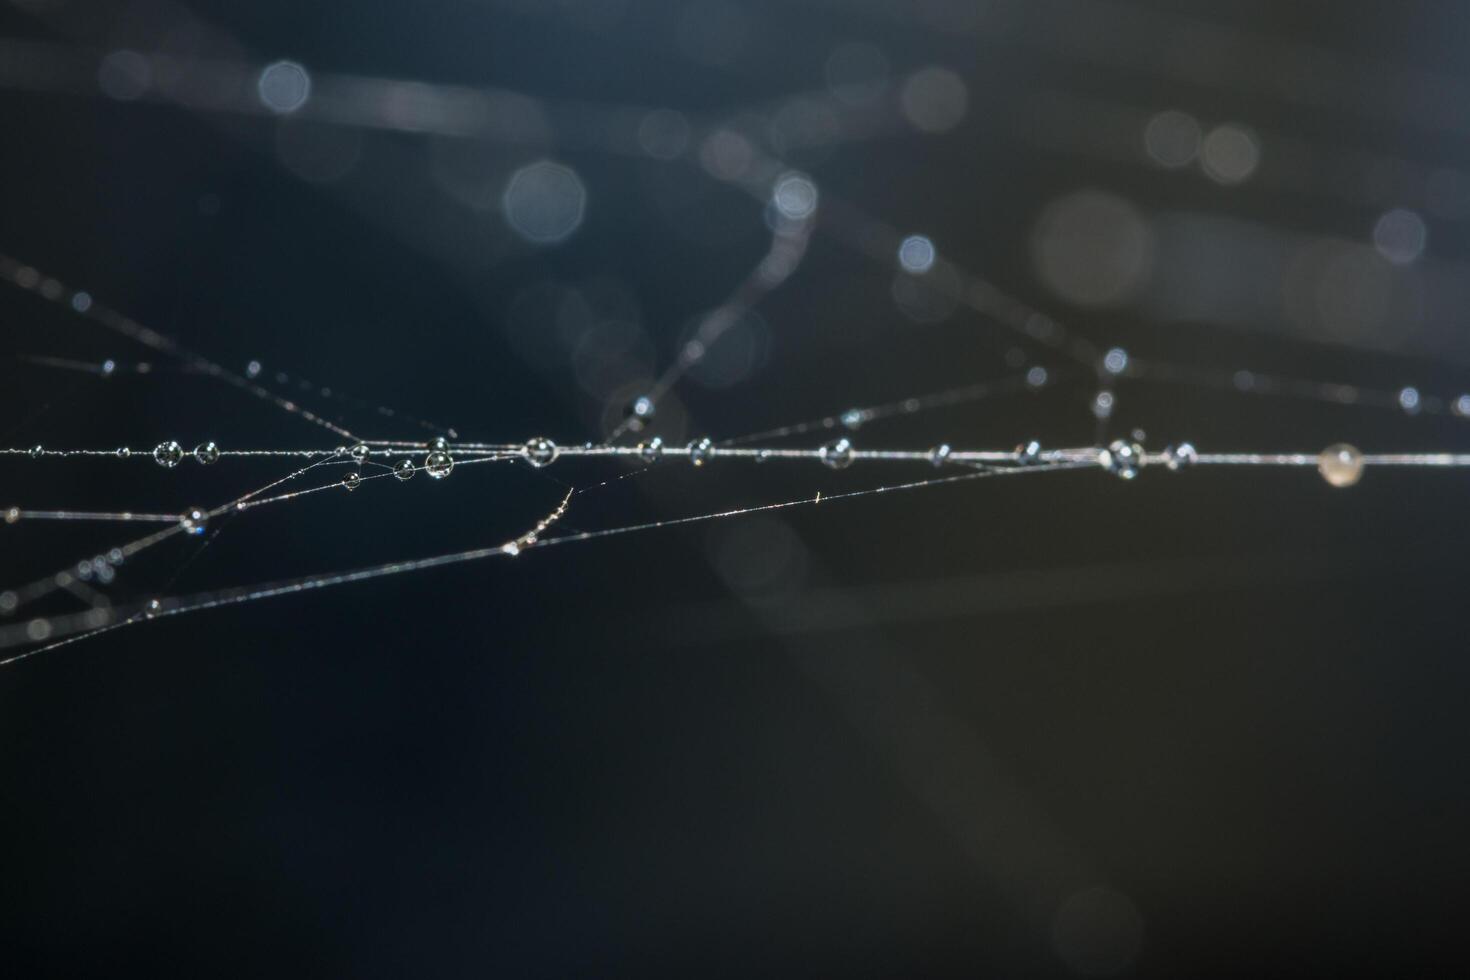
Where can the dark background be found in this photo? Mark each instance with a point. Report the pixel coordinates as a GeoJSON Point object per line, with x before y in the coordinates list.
{"type": "Point", "coordinates": [1200, 723]}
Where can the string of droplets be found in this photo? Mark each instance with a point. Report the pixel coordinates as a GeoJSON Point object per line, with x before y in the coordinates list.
{"type": "Point", "coordinates": [1341, 465]}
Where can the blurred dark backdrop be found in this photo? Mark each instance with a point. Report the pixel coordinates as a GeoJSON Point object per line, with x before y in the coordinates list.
{"type": "Point", "coordinates": [1207, 722]}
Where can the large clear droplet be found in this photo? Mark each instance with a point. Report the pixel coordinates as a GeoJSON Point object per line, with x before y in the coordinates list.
{"type": "Point", "coordinates": [837, 454]}
{"type": "Point", "coordinates": [701, 451]}
{"type": "Point", "coordinates": [438, 444]}
{"type": "Point", "coordinates": [207, 453]}
{"type": "Point", "coordinates": [194, 520]}
{"type": "Point", "coordinates": [438, 464]}
{"type": "Point", "coordinates": [403, 469]}
{"type": "Point", "coordinates": [359, 452]}
{"type": "Point", "coordinates": [168, 454]}
{"type": "Point", "coordinates": [1340, 465]}
{"type": "Point", "coordinates": [651, 450]}
{"type": "Point", "coordinates": [1180, 456]}
{"type": "Point", "coordinates": [352, 480]}
{"type": "Point", "coordinates": [540, 452]}
{"type": "Point", "coordinates": [1123, 459]}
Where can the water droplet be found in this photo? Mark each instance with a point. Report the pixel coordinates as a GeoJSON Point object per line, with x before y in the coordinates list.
{"type": "Point", "coordinates": [438, 464]}
{"type": "Point", "coordinates": [540, 452]}
{"type": "Point", "coordinates": [194, 520]}
{"type": "Point", "coordinates": [1409, 400]}
{"type": "Point", "coordinates": [1180, 456]}
{"type": "Point", "coordinates": [124, 452]}
{"type": "Point", "coordinates": [109, 367]}
{"type": "Point", "coordinates": [252, 370]}
{"type": "Point", "coordinates": [12, 515]}
{"type": "Point", "coordinates": [701, 451]}
{"type": "Point", "coordinates": [359, 452]}
{"type": "Point", "coordinates": [940, 454]}
{"type": "Point", "coordinates": [152, 608]}
{"type": "Point", "coordinates": [168, 454]}
{"type": "Point", "coordinates": [403, 469]}
{"type": "Point", "coordinates": [35, 452]}
{"type": "Point", "coordinates": [438, 444]}
{"type": "Point", "coordinates": [763, 456]}
{"type": "Point", "coordinates": [639, 413]}
{"type": "Point", "coordinates": [1115, 361]}
{"type": "Point", "coordinates": [206, 453]}
{"type": "Point", "coordinates": [1102, 404]}
{"type": "Point", "coordinates": [853, 418]}
{"type": "Point", "coordinates": [651, 450]}
{"type": "Point", "coordinates": [837, 454]}
{"type": "Point", "coordinates": [352, 480]}
{"type": "Point", "coordinates": [1123, 459]}
{"type": "Point", "coordinates": [1036, 377]}
{"type": "Point", "coordinates": [1028, 453]}
{"type": "Point", "coordinates": [1341, 465]}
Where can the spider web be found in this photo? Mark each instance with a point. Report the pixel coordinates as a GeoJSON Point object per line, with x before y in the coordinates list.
{"type": "Point", "coordinates": [344, 443]}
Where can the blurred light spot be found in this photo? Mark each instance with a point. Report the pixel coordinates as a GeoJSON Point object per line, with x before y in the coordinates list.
{"type": "Point", "coordinates": [727, 356]}
{"type": "Point", "coordinates": [544, 202]}
{"type": "Point", "coordinates": [1092, 248]}
{"type": "Point", "coordinates": [81, 301]}
{"type": "Point", "coordinates": [1097, 932]}
{"type": "Point", "coordinates": [1115, 361]}
{"type": "Point", "coordinates": [712, 32]}
{"type": "Point", "coordinates": [1400, 236]}
{"type": "Point", "coordinates": [284, 86]}
{"type": "Point", "coordinates": [1462, 405]}
{"type": "Point", "coordinates": [1349, 291]}
{"type": "Point", "coordinates": [856, 73]}
{"type": "Point", "coordinates": [612, 356]}
{"type": "Point", "coordinates": [916, 254]}
{"type": "Point", "coordinates": [1409, 400]}
{"type": "Point", "coordinates": [124, 75]}
{"type": "Point", "coordinates": [760, 559]}
{"type": "Point", "coordinates": [1172, 138]}
{"type": "Point", "coordinates": [316, 153]}
{"type": "Point", "coordinates": [725, 154]}
{"type": "Point", "coordinates": [1230, 154]}
{"type": "Point", "coordinates": [1102, 404]}
{"type": "Point", "coordinates": [1036, 376]}
{"type": "Point", "coordinates": [795, 196]}
{"type": "Point", "coordinates": [935, 100]}
{"type": "Point", "coordinates": [663, 134]}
